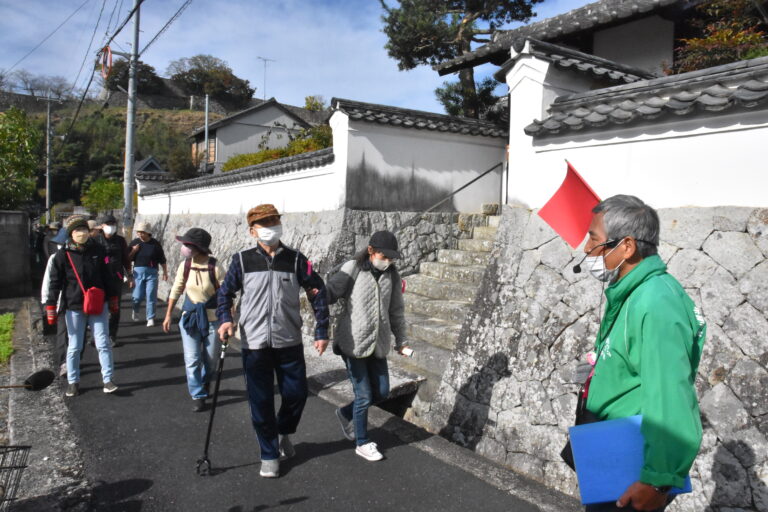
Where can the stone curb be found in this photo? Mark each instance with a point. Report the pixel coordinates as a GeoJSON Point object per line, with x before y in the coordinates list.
{"type": "Point", "coordinates": [55, 477]}
{"type": "Point", "coordinates": [535, 493]}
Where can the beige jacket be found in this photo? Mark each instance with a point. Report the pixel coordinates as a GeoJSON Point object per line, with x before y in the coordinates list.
{"type": "Point", "coordinates": [199, 286]}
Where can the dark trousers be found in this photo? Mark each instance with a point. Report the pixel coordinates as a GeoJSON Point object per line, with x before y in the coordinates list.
{"type": "Point", "coordinates": [260, 367]}
{"type": "Point", "coordinates": [611, 507]}
{"type": "Point", "coordinates": [61, 341]}
{"type": "Point", "coordinates": [114, 318]}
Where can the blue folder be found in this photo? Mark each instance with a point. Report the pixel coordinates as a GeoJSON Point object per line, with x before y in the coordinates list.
{"type": "Point", "coordinates": [609, 458]}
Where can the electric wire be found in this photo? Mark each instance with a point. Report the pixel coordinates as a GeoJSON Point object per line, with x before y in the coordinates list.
{"type": "Point", "coordinates": [125, 22]}
{"type": "Point", "coordinates": [168, 24]}
{"type": "Point", "coordinates": [90, 44]}
{"type": "Point", "coordinates": [48, 36]}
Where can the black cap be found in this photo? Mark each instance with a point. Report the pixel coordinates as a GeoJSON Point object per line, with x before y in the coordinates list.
{"type": "Point", "coordinates": [386, 243]}
{"type": "Point", "coordinates": [198, 237]}
{"type": "Point", "coordinates": [107, 219]}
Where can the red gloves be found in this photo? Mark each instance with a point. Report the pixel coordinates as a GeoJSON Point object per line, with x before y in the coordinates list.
{"type": "Point", "coordinates": [51, 316]}
{"type": "Point", "coordinates": [114, 307]}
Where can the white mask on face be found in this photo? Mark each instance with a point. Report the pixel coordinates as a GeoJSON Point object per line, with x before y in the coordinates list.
{"type": "Point", "coordinates": [270, 236]}
{"type": "Point", "coordinates": [379, 264]}
{"type": "Point", "coordinates": [596, 266]}
{"type": "Point", "coordinates": [109, 230]}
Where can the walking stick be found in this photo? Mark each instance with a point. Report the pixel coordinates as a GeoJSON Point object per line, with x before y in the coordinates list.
{"type": "Point", "coordinates": [204, 464]}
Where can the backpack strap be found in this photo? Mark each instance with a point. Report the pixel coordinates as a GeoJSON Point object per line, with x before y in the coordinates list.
{"type": "Point", "coordinates": [212, 272]}
{"type": "Point", "coordinates": [187, 269]}
{"type": "Point", "coordinates": [75, 271]}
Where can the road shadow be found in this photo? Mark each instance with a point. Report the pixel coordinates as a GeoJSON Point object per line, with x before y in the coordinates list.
{"type": "Point", "coordinates": [470, 411]}
{"type": "Point", "coordinates": [119, 496]}
{"type": "Point", "coordinates": [258, 508]}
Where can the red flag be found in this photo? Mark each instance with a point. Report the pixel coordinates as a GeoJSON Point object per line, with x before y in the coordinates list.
{"type": "Point", "coordinates": [569, 211]}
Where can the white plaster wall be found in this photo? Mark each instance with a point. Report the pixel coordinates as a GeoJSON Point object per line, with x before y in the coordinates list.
{"type": "Point", "coordinates": [647, 43]}
{"type": "Point", "coordinates": [244, 134]}
{"type": "Point", "coordinates": [445, 160]}
{"type": "Point", "coordinates": [315, 189]}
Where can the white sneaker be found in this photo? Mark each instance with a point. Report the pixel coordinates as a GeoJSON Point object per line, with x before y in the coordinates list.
{"type": "Point", "coordinates": [369, 451]}
{"type": "Point", "coordinates": [270, 468]}
{"type": "Point", "coordinates": [151, 322]}
{"type": "Point", "coordinates": [134, 316]}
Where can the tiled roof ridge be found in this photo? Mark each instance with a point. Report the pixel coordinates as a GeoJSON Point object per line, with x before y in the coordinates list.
{"type": "Point", "coordinates": [417, 119]}
{"type": "Point", "coordinates": [266, 169]}
{"type": "Point", "coordinates": [592, 15]}
{"type": "Point", "coordinates": [271, 101]}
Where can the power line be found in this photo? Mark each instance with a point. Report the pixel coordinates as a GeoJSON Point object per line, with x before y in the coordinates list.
{"type": "Point", "coordinates": [125, 21]}
{"type": "Point", "coordinates": [88, 51]}
{"type": "Point", "coordinates": [168, 24]}
{"type": "Point", "coordinates": [48, 36]}
{"type": "Point", "coordinates": [111, 17]}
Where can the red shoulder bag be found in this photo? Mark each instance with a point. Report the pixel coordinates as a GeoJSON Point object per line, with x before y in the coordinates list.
{"type": "Point", "coordinates": [93, 297]}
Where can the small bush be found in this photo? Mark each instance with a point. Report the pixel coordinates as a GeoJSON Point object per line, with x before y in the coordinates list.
{"type": "Point", "coordinates": [6, 336]}
{"type": "Point", "coordinates": [311, 139]}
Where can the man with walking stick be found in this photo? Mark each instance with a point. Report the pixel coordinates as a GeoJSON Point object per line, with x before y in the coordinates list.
{"type": "Point", "coordinates": [270, 277]}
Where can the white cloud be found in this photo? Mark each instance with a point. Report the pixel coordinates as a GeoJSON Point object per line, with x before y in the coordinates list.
{"type": "Point", "coordinates": [329, 47]}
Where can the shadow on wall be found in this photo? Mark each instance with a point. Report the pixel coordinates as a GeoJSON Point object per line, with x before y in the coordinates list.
{"type": "Point", "coordinates": [370, 189]}
{"type": "Point", "coordinates": [730, 485]}
{"type": "Point", "coordinates": [470, 412]}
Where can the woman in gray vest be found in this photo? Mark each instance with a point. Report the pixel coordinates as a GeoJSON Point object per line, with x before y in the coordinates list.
{"type": "Point", "coordinates": [374, 310]}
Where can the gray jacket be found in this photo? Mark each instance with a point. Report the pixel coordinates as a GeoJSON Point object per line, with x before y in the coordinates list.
{"type": "Point", "coordinates": [373, 311]}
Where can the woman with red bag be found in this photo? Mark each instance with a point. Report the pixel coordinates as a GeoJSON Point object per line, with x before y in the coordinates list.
{"type": "Point", "coordinates": [87, 296]}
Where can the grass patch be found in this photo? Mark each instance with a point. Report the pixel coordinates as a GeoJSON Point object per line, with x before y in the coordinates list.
{"type": "Point", "coordinates": [6, 336]}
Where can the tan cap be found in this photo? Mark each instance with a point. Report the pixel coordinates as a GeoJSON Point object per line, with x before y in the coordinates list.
{"type": "Point", "coordinates": [92, 224]}
{"type": "Point", "coordinates": [260, 212]}
{"type": "Point", "coordinates": [146, 227]}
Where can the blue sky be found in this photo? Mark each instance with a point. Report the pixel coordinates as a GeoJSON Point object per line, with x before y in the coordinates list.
{"type": "Point", "coordinates": [325, 47]}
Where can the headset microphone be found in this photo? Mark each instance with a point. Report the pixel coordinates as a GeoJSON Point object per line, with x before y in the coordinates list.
{"type": "Point", "coordinates": [577, 267]}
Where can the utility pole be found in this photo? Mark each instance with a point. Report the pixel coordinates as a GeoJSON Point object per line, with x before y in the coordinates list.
{"type": "Point", "coordinates": [48, 101]}
{"type": "Point", "coordinates": [205, 148]}
{"type": "Point", "coordinates": [130, 124]}
{"type": "Point", "coordinates": [264, 91]}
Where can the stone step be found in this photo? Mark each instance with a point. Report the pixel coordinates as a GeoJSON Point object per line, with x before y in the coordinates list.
{"type": "Point", "coordinates": [494, 221]}
{"type": "Point", "coordinates": [434, 308]}
{"type": "Point", "coordinates": [426, 358]}
{"type": "Point", "coordinates": [475, 245]}
{"type": "Point", "coordinates": [440, 289]}
{"type": "Point", "coordinates": [441, 333]}
{"type": "Point", "coordinates": [458, 274]}
{"type": "Point", "coordinates": [490, 209]}
{"type": "Point", "coordinates": [464, 258]}
{"type": "Point", "coordinates": [484, 233]}
{"type": "Point", "coordinates": [429, 383]}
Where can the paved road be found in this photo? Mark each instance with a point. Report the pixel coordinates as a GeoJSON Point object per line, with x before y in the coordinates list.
{"type": "Point", "coordinates": [141, 445]}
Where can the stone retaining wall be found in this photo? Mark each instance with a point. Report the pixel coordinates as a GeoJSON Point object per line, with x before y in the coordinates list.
{"type": "Point", "coordinates": [509, 391]}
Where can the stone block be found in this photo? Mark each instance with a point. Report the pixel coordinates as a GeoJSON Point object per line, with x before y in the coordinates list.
{"type": "Point", "coordinates": [574, 342]}
{"type": "Point", "coordinates": [723, 410]}
{"type": "Point", "coordinates": [686, 228]}
{"type": "Point", "coordinates": [546, 286]}
{"type": "Point", "coordinates": [560, 477]}
{"type": "Point", "coordinates": [719, 356]}
{"type": "Point", "coordinates": [731, 218]}
{"type": "Point", "coordinates": [750, 446]}
{"type": "Point", "coordinates": [719, 295]}
{"type": "Point", "coordinates": [732, 487]}
{"type": "Point", "coordinates": [525, 464]}
{"type": "Point", "coordinates": [736, 252]}
{"type": "Point", "coordinates": [747, 327]}
{"type": "Point", "coordinates": [583, 296]}
{"type": "Point", "coordinates": [556, 255]}
{"type": "Point", "coordinates": [490, 208]}
{"type": "Point", "coordinates": [758, 480]}
{"type": "Point", "coordinates": [537, 233]}
{"type": "Point", "coordinates": [749, 381]}
{"type": "Point", "coordinates": [666, 251]}
{"type": "Point", "coordinates": [754, 284]}
{"type": "Point", "coordinates": [692, 268]}
{"type": "Point", "coordinates": [529, 260]}
{"type": "Point", "coordinates": [757, 227]}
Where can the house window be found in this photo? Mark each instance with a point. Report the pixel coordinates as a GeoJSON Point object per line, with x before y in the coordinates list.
{"type": "Point", "coordinates": [211, 149]}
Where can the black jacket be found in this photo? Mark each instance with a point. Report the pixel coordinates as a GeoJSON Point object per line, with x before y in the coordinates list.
{"type": "Point", "coordinates": [91, 269]}
{"type": "Point", "coordinates": [117, 255]}
{"type": "Point", "coordinates": [150, 253]}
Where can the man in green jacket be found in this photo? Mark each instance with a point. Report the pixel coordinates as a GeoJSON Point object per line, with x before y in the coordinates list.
{"type": "Point", "coordinates": [647, 350]}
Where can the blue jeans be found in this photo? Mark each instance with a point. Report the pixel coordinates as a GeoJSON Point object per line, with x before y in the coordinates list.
{"type": "Point", "coordinates": [146, 286]}
{"type": "Point", "coordinates": [76, 322]}
{"type": "Point", "coordinates": [260, 368]}
{"type": "Point", "coordinates": [370, 382]}
{"type": "Point", "coordinates": [199, 354]}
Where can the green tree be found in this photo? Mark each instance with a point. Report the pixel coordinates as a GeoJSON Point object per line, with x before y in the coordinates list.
{"type": "Point", "coordinates": [102, 195]}
{"type": "Point", "coordinates": [18, 158]}
{"type": "Point", "coordinates": [432, 31]}
{"type": "Point", "coordinates": [147, 81]}
{"type": "Point", "coordinates": [450, 96]}
{"type": "Point", "coordinates": [730, 30]}
{"type": "Point", "coordinates": [206, 74]}
{"type": "Point", "coordinates": [314, 103]}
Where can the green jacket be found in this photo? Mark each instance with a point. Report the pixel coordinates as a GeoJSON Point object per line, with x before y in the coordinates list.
{"type": "Point", "coordinates": [648, 348]}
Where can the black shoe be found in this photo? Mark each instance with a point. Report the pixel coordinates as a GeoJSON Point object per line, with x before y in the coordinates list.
{"type": "Point", "coordinates": [198, 404]}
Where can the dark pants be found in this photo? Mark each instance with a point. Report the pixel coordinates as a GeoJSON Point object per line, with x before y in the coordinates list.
{"type": "Point", "coordinates": [114, 318]}
{"type": "Point", "coordinates": [370, 382]}
{"type": "Point", "coordinates": [260, 368]}
{"type": "Point", "coordinates": [61, 341]}
{"type": "Point", "coordinates": [611, 507]}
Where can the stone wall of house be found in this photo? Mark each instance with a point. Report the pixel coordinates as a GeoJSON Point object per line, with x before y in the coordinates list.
{"type": "Point", "coordinates": [327, 238]}
{"type": "Point", "coordinates": [509, 391]}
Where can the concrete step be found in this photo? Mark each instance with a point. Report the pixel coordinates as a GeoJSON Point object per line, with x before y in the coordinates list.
{"type": "Point", "coordinates": [484, 233]}
{"type": "Point", "coordinates": [490, 209]}
{"type": "Point", "coordinates": [440, 289]}
{"type": "Point", "coordinates": [441, 333]}
{"type": "Point", "coordinates": [464, 258]}
{"type": "Point", "coordinates": [450, 310]}
{"type": "Point", "coordinates": [428, 382]}
{"type": "Point", "coordinates": [459, 274]}
{"type": "Point", "coordinates": [494, 221]}
{"type": "Point", "coordinates": [475, 245]}
{"type": "Point", "coordinates": [426, 358]}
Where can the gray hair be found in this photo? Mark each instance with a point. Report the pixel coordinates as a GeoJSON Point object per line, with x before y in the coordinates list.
{"type": "Point", "coordinates": [629, 216]}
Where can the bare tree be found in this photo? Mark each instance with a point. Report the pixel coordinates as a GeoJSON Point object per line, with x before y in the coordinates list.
{"type": "Point", "coordinates": [29, 82]}
{"type": "Point", "coordinates": [58, 85]}
{"type": "Point", "coordinates": [5, 81]}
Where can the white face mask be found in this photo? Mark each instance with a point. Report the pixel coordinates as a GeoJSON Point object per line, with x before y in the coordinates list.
{"type": "Point", "coordinates": [109, 230]}
{"type": "Point", "coordinates": [596, 266]}
{"type": "Point", "coordinates": [270, 236]}
{"type": "Point", "coordinates": [379, 264]}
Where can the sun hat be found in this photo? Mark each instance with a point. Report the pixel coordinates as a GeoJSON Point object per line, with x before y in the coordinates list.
{"type": "Point", "coordinates": [197, 237]}
{"type": "Point", "coordinates": [144, 227]}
